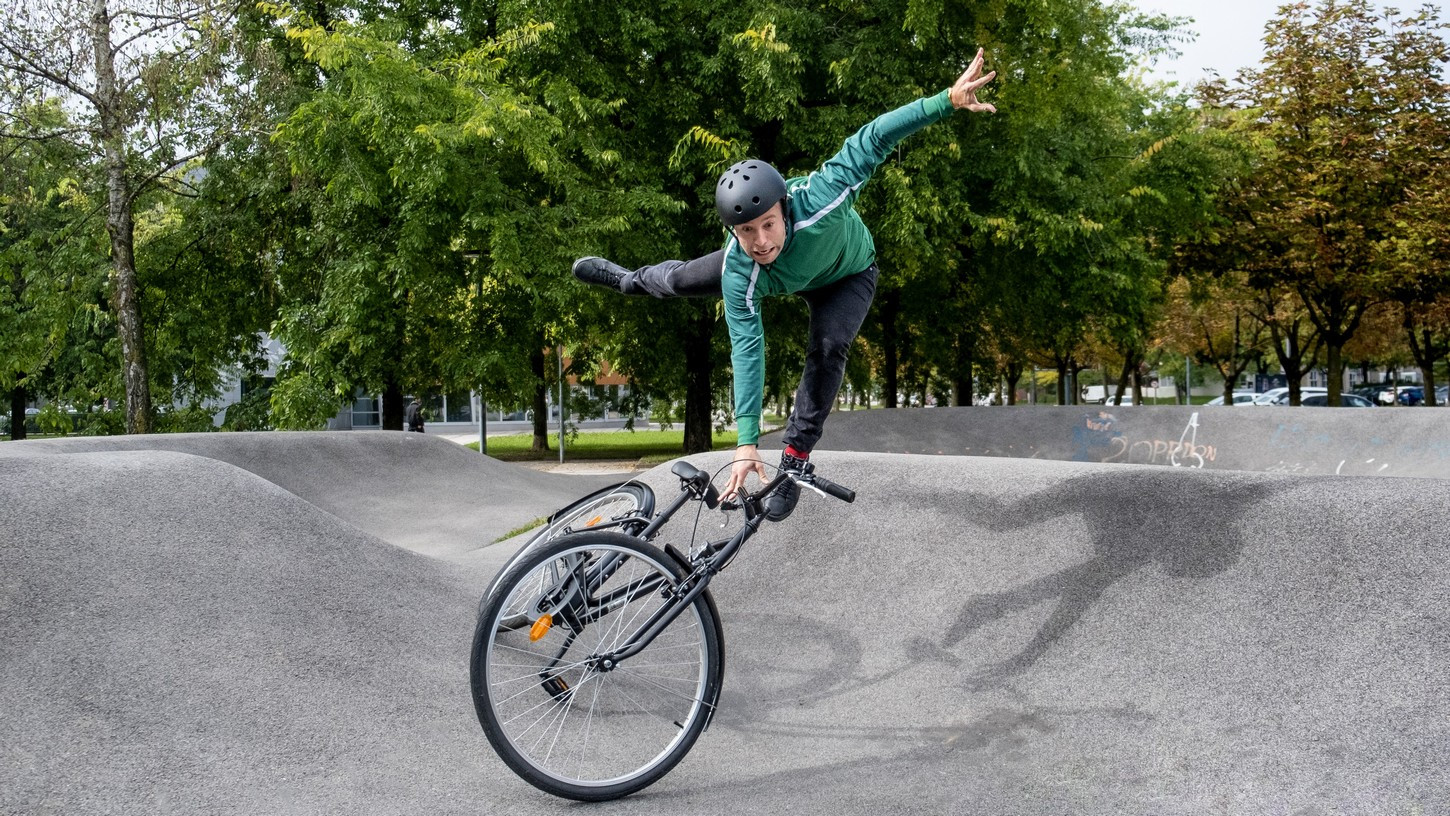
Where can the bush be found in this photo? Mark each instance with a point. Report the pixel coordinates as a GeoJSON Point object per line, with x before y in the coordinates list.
{"type": "Point", "coordinates": [54, 421]}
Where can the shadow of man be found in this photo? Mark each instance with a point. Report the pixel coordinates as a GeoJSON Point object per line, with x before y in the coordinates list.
{"type": "Point", "coordinates": [1136, 519]}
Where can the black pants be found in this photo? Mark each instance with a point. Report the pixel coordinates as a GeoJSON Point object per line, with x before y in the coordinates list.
{"type": "Point", "coordinates": [837, 312]}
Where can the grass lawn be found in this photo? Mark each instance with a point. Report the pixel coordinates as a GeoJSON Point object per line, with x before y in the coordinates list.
{"type": "Point", "coordinates": [650, 447]}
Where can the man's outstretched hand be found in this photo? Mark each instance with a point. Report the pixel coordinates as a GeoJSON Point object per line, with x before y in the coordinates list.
{"type": "Point", "coordinates": [747, 461]}
{"type": "Point", "coordinates": [964, 90]}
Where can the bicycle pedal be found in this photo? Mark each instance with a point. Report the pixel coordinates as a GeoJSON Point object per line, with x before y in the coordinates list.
{"type": "Point", "coordinates": [557, 689]}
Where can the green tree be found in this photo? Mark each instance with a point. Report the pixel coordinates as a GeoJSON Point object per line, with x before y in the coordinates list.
{"type": "Point", "coordinates": [437, 194]}
{"type": "Point", "coordinates": [49, 261]}
{"type": "Point", "coordinates": [153, 81]}
{"type": "Point", "coordinates": [1412, 259]}
{"type": "Point", "coordinates": [1321, 100]}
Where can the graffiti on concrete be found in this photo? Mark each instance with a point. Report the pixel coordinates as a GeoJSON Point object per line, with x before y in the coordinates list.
{"type": "Point", "coordinates": [1367, 467]}
{"type": "Point", "coordinates": [1096, 433]}
{"type": "Point", "coordinates": [1097, 439]}
{"type": "Point", "coordinates": [1320, 451]}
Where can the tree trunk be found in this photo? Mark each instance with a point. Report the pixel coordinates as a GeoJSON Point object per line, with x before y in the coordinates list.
{"type": "Point", "coordinates": [962, 372]}
{"type": "Point", "coordinates": [1292, 358]}
{"type": "Point", "coordinates": [393, 406]}
{"type": "Point", "coordinates": [125, 291]}
{"type": "Point", "coordinates": [1334, 368]}
{"type": "Point", "coordinates": [1426, 351]}
{"type": "Point", "coordinates": [890, 308]}
{"type": "Point", "coordinates": [541, 392]}
{"type": "Point", "coordinates": [17, 412]}
{"type": "Point", "coordinates": [1013, 376]}
{"type": "Point", "coordinates": [699, 368]}
{"type": "Point", "coordinates": [1130, 365]}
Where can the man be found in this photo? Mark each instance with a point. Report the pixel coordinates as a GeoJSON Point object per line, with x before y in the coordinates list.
{"type": "Point", "coordinates": [801, 236]}
{"type": "Point", "coordinates": [413, 416]}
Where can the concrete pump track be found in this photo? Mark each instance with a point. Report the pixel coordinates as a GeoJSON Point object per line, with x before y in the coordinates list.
{"type": "Point", "coordinates": [1227, 611]}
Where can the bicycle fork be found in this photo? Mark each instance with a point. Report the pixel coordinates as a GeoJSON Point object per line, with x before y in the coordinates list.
{"type": "Point", "coordinates": [678, 599]}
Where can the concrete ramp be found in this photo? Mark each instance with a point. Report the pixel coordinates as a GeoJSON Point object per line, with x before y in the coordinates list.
{"type": "Point", "coordinates": [414, 490]}
{"type": "Point", "coordinates": [178, 635]}
{"type": "Point", "coordinates": [1339, 441]}
{"type": "Point", "coordinates": [972, 636]}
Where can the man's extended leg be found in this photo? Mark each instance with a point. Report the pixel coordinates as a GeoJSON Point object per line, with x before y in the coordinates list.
{"type": "Point", "coordinates": [837, 312]}
{"type": "Point", "coordinates": [695, 278]}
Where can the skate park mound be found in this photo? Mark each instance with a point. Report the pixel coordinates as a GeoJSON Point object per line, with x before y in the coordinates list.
{"type": "Point", "coordinates": [1341, 441]}
{"type": "Point", "coordinates": [972, 635]}
{"type": "Point", "coordinates": [180, 635]}
{"type": "Point", "coordinates": [413, 490]}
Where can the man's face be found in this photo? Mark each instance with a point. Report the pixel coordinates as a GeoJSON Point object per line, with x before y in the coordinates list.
{"type": "Point", "coordinates": [764, 237]}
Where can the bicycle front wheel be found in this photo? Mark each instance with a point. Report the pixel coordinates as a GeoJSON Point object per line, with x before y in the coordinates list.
{"type": "Point", "coordinates": [559, 718]}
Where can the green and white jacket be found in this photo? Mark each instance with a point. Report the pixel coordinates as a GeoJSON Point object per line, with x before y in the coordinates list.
{"type": "Point", "coordinates": [825, 242]}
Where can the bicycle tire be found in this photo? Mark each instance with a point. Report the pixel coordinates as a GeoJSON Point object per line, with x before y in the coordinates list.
{"type": "Point", "coordinates": [606, 505]}
{"type": "Point", "coordinates": [578, 731]}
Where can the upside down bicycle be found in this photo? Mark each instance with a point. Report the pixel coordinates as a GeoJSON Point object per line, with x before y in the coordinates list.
{"type": "Point", "coordinates": [598, 656]}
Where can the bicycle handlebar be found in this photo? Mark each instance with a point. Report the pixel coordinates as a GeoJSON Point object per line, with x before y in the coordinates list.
{"type": "Point", "coordinates": [825, 485]}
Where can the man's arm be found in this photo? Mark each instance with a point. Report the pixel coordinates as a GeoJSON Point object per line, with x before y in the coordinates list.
{"type": "Point", "coordinates": [747, 358]}
{"type": "Point", "coordinates": [842, 175]}
{"type": "Point", "coordinates": [747, 351]}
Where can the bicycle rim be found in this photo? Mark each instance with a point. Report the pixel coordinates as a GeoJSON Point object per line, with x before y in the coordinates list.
{"type": "Point", "coordinates": [565, 725]}
{"type": "Point", "coordinates": [586, 514]}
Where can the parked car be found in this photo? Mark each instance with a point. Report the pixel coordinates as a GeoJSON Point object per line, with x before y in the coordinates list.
{"type": "Point", "coordinates": [1387, 393]}
{"type": "Point", "coordinates": [1280, 396]}
{"type": "Point", "coordinates": [1268, 397]}
{"type": "Point", "coordinates": [1304, 394]}
{"type": "Point", "coordinates": [1411, 395]}
{"type": "Point", "coordinates": [1240, 397]}
{"type": "Point", "coordinates": [1345, 401]}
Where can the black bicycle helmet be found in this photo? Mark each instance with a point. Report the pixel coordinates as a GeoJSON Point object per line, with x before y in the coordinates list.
{"type": "Point", "coordinates": [747, 190]}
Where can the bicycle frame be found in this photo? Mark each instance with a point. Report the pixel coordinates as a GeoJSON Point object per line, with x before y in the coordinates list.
{"type": "Point", "coordinates": [706, 566]}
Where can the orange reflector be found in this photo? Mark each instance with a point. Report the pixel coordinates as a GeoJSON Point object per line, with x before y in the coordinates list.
{"type": "Point", "coordinates": [541, 627]}
{"type": "Point", "coordinates": [594, 521]}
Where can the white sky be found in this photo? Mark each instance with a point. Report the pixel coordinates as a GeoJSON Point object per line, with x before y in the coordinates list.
{"type": "Point", "coordinates": [1230, 34]}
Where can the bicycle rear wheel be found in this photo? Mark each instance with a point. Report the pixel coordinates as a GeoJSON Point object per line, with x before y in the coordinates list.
{"type": "Point", "coordinates": [604, 509]}
{"type": "Point", "coordinates": [623, 507]}
{"type": "Point", "coordinates": [560, 720]}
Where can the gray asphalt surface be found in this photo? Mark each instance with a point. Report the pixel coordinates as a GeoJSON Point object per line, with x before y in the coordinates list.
{"type": "Point", "coordinates": [972, 636]}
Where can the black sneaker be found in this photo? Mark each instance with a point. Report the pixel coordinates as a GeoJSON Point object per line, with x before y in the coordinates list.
{"type": "Point", "coordinates": [778, 505]}
{"type": "Point", "coordinates": [600, 272]}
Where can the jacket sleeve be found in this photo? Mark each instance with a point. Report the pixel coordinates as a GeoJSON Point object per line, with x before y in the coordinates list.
{"type": "Point", "coordinates": [840, 179]}
{"type": "Point", "coordinates": [747, 345]}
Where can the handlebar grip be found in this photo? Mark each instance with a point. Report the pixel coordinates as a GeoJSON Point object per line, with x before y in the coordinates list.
{"type": "Point", "coordinates": [845, 494]}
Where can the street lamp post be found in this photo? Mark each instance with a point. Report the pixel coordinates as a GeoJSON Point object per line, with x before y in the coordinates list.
{"type": "Point", "coordinates": [561, 405]}
{"type": "Point", "coordinates": [483, 425]}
